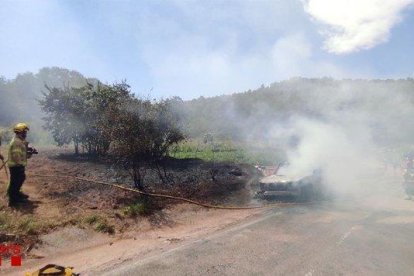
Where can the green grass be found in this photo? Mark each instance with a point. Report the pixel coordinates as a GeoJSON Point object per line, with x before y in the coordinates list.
{"type": "Point", "coordinates": [226, 151]}
{"type": "Point", "coordinates": [100, 224]}
{"type": "Point", "coordinates": [135, 209]}
{"type": "Point", "coordinates": [28, 226]}
{"type": "Point", "coordinates": [92, 219]}
{"type": "Point", "coordinates": [104, 227]}
{"type": "Point", "coordinates": [23, 225]}
{"type": "Point", "coordinates": [5, 222]}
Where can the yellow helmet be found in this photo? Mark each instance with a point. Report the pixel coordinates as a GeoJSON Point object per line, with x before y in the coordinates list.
{"type": "Point", "coordinates": [20, 127]}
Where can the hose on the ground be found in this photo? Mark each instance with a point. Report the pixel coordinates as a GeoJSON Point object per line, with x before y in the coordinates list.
{"type": "Point", "coordinates": [5, 168]}
{"type": "Point", "coordinates": [157, 195]}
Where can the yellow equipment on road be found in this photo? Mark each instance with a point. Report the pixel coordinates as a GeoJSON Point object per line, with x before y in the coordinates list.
{"type": "Point", "coordinates": [52, 269]}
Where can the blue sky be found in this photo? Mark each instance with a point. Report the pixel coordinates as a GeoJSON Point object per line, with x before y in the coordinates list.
{"type": "Point", "coordinates": [191, 48]}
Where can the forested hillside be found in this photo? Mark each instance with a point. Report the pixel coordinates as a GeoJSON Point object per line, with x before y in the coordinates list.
{"type": "Point", "coordinates": [385, 106]}
{"type": "Point", "coordinates": [18, 96]}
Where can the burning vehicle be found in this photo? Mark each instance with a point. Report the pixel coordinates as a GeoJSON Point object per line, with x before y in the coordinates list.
{"type": "Point", "coordinates": [282, 187]}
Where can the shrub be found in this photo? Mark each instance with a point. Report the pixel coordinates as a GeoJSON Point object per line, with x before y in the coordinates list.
{"type": "Point", "coordinates": [104, 227]}
{"type": "Point", "coordinates": [135, 209]}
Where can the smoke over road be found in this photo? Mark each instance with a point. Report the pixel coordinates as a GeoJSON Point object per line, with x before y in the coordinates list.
{"type": "Point", "coordinates": [357, 134]}
{"type": "Point", "coordinates": [348, 159]}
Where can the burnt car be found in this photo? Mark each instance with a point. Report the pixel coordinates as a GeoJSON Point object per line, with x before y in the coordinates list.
{"type": "Point", "coordinates": [286, 188]}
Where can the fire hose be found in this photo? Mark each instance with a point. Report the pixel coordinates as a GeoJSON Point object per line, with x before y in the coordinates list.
{"type": "Point", "coordinates": [5, 168]}
{"type": "Point", "coordinates": [29, 151]}
{"type": "Point", "coordinates": [119, 186]}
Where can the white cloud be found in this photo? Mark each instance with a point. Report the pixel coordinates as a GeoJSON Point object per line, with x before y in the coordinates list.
{"type": "Point", "coordinates": [354, 25]}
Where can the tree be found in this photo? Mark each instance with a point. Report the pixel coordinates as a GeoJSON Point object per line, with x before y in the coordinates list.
{"type": "Point", "coordinates": [63, 108]}
{"type": "Point", "coordinates": [138, 132]}
{"type": "Point", "coordinates": [143, 135]}
{"type": "Point", "coordinates": [82, 115]}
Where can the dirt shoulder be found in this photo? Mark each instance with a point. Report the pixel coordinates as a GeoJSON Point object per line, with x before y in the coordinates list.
{"type": "Point", "coordinates": [86, 250]}
{"type": "Point", "coordinates": [80, 224]}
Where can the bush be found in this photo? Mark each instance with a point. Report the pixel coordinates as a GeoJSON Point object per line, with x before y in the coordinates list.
{"type": "Point", "coordinates": [135, 209]}
{"type": "Point", "coordinates": [92, 219]}
{"type": "Point", "coordinates": [100, 224]}
{"type": "Point", "coordinates": [104, 227]}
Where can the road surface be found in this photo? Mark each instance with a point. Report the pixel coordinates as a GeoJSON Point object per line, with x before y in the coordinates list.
{"type": "Point", "coordinates": [368, 236]}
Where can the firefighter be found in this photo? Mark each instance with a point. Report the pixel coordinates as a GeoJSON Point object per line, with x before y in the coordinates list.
{"type": "Point", "coordinates": [17, 161]}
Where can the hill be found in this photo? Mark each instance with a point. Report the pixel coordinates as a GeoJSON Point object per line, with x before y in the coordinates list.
{"type": "Point", "coordinates": [381, 106]}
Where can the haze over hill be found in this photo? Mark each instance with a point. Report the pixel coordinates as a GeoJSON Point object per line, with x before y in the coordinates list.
{"type": "Point", "coordinates": [380, 107]}
{"type": "Point", "coordinates": [19, 96]}
{"type": "Point", "coordinates": [381, 104]}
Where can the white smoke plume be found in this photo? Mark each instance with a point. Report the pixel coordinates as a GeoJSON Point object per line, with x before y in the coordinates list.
{"type": "Point", "coordinates": [345, 154]}
{"type": "Point", "coordinates": [354, 138]}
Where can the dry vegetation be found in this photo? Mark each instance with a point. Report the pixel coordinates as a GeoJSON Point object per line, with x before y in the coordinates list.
{"type": "Point", "coordinates": [59, 201]}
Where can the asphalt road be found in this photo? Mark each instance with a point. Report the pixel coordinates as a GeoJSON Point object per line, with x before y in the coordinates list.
{"type": "Point", "coordinates": [369, 236]}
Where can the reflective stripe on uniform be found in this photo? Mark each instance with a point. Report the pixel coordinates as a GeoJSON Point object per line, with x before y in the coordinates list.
{"type": "Point", "coordinates": [17, 153]}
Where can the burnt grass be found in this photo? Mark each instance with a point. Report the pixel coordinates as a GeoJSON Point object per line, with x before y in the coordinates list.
{"type": "Point", "coordinates": [207, 182]}
{"type": "Point", "coordinates": [181, 177]}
